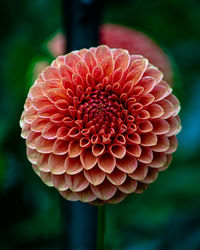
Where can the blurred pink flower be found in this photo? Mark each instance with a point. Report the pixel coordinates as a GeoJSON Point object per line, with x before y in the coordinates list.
{"type": "Point", "coordinates": [100, 124]}
{"type": "Point", "coordinates": [117, 36]}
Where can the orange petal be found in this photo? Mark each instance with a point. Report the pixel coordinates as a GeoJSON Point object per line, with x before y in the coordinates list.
{"type": "Point", "coordinates": [140, 173]}
{"type": "Point", "coordinates": [56, 94]}
{"type": "Point", "coordinates": [74, 149]}
{"type": "Point", "coordinates": [69, 195]}
{"type": "Point", "coordinates": [82, 52]}
{"type": "Point", "coordinates": [102, 51]}
{"type": "Point", "coordinates": [40, 102]}
{"type": "Point", "coordinates": [145, 126]}
{"type": "Point", "coordinates": [162, 144]}
{"type": "Point", "coordinates": [136, 74]}
{"type": "Point", "coordinates": [84, 142]}
{"type": "Point", "coordinates": [46, 178]}
{"type": "Point", "coordinates": [160, 127]}
{"type": "Point", "coordinates": [136, 91]}
{"type": "Point", "coordinates": [30, 115]}
{"type": "Point", "coordinates": [129, 88]}
{"type": "Point", "coordinates": [146, 99]}
{"type": "Point", "coordinates": [62, 104]}
{"type": "Point", "coordinates": [148, 139]}
{"type": "Point", "coordinates": [42, 162]}
{"type": "Point", "coordinates": [32, 155]}
{"type": "Point", "coordinates": [82, 69]}
{"type": "Point", "coordinates": [155, 110]}
{"type": "Point", "coordinates": [62, 133]}
{"type": "Point", "coordinates": [77, 79]}
{"type": "Point", "coordinates": [73, 165]}
{"type": "Point", "coordinates": [74, 133]}
{"type": "Point", "coordinates": [118, 151]}
{"type": "Point", "coordinates": [147, 83]}
{"type": "Point", "coordinates": [97, 73]}
{"type": "Point", "coordinates": [117, 177]}
{"type": "Point", "coordinates": [86, 195]}
{"type": "Point", "coordinates": [32, 139]}
{"type": "Point", "coordinates": [57, 118]}
{"type": "Point", "coordinates": [35, 91]}
{"type": "Point", "coordinates": [167, 107]}
{"type": "Point", "coordinates": [38, 124]}
{"type": "Point", "coordinates": [90, 60]}
{"type": "Point", "coordinates": [175, 102]}
{"type": "Point", "coordinates": [50, 73]}
{"type": "Point", "coordinates": [117, 198]}
{"type": "Point", "coordinates": [143, 114]}
{"type": "Point", "coordinates": [65, 72]}
{"type": "Point", "coordinates": [155, 73]}
{"type": "Point", "coordinates": [69, 122]}
{"type": "Point", "coordinates": [129, 186]}
{"type": "Point", "coordinates": [36, 169]}
{"type": "Point", "coordinates": [117, 75]}
{"type": "Point", "coordinates": [98, 149]}
{"type": "Point", "coordinates": [166, 86]}
{"type": "Point", "coordinates": [48, 85]}
{"type": "Point", "coordinates": [72, 59]}
{"type": "Point", "coordinates": [175, 126]}
{"type": "Point", "coordinates": [120, 139]}
{"type": "Point", "coordinates": [59, 60]}
{"type": "Point", "coordinates": [173, 144]}
{"type": "Point", "coordinates": [88, 159]}
{"type": "Point", "coordinates": [146, 155]}
{"type": "Point", "coordinates": [59, 182]}
{"type": "Point", "coordinates": [159, 92]}
{"type": "Point", "coordinates": [122, 61]}
{"type": "Point", "coordinates": [56, 164]}
{"type": "Point", "coordinates": [47, 111]}
{"type": "Point", "coordinates": [141, 187]}
{"type": "Point", "coordinates": [76, 182]}
{"type": "Point", "coordinates": [107, 65]}
{"type": "Point", "coordinates": [44, 146]}
{"type": "Point", "coordinates": [117, 52]}
{"type": "Point", "coordinates": [133, 138]}
{"type": "Point", "coordinates": [95, 139]}
{"type": "Point", "coordinates": [134, 150]}
{"type": "Point", "coordinates": [50, 131]}
{"type": "Point", "coordinates": [169, 159]}
{"type": "Point", "coordinates": [60, 147]}
{"type": "Point", "coordinates": [95, 176]}
{"type": "Point", "coordinates": [151, 176]}
{"type": "Point", "coordinates": [104, 191]}
{"type": "Point", "coordinates": [159, 160]}
{"type": "Point", "coordinates": [22, 122]}
{"type": "Point", "coordinates": [106, 163]}
{"type": "Point", "coordinates": [128, 164]}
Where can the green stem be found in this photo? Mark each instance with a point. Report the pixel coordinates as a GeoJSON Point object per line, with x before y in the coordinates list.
{"type": "Point", "coordinates": [101, 227]}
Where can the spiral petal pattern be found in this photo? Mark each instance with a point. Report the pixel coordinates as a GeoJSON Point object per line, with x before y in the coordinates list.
{"type": "Point", "coordinates": [100, 124]}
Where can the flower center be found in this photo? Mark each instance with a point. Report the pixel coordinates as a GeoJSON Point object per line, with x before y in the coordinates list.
{"type": "Point", "coordinates": [103, 110]}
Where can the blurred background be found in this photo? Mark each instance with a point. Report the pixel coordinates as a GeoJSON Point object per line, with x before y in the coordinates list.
{"type": "Point", "coordinates": [167, 214]}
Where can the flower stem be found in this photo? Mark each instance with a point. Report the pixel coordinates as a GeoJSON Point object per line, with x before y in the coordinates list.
{"type": "Point", "coordinates": [101, 227]}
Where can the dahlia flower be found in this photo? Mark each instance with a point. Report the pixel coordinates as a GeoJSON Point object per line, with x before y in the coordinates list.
{"type": "Point", "coordinates": [117, 36]}
{"type": "Point", "coordinates": [100, 124]}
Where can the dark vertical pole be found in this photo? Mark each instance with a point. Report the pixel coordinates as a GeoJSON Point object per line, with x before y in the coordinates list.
{"type": "Point", "coordinates": [81, 19]}
{"type": "Point", "coordinates": [80, 226]}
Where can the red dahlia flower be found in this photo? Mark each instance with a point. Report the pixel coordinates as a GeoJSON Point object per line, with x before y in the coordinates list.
{"type": "Point", "coordinates": [100, 124]}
